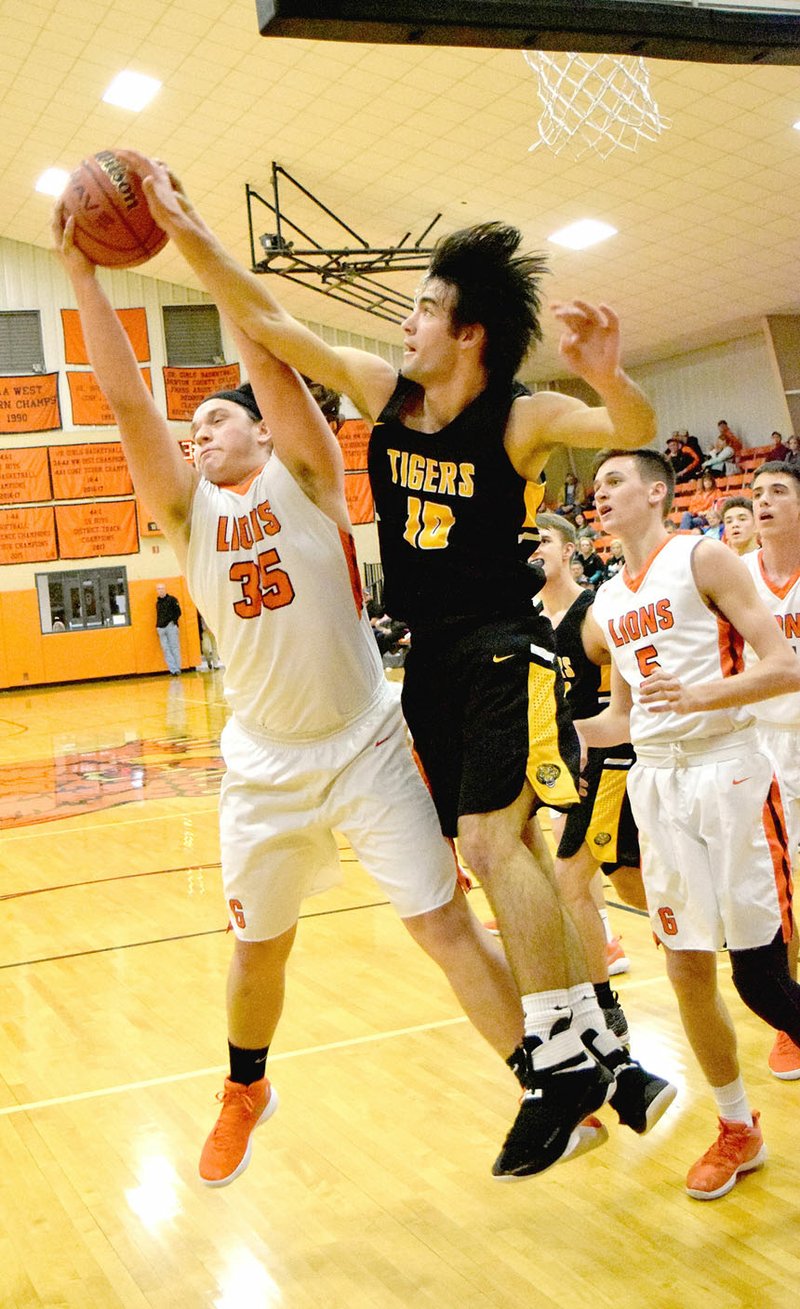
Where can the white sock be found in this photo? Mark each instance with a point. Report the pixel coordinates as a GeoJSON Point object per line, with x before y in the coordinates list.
{"type": "Point", "coordinates": [542, 1010]}
{"type": "Point", "coordinates": [586, 1011]}
{"type": "Point", "coordinates": [732, 1102]}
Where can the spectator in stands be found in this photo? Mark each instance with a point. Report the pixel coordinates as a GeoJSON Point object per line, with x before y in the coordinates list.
{"type": "Point", "coordinates": [713, 526]}
{"type": "Point", "coordinates": [616, 558]}
{"type": "Point", "coordinates": [730, 438]}
{"type": "Point", "coordinates": [593, 567]}
{"type": "Point", "coordinates": [792, 457]}
{"type": "Point", "coordinates": [686, 439]}
{"type": "Point", "coordinates": [685, 461]}
{"type": "Point", "coordinates": [572, 495]}
{"type": "Point", "coordinates": [777, 449]}
{"type": "Point", "coordinates": [576, 568]}
{"type": "Point", "coordinates": [721, 458]}
{"type": "Point", "coordinates": [583, 527]}
{"type": "Point", "coordinates": [704, 498]}
{"type": "Point", "coordinates": [739, 523]}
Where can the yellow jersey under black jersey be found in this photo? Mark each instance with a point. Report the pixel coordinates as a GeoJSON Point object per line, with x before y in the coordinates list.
{"type": "Point", "coordinates": [451, 511]}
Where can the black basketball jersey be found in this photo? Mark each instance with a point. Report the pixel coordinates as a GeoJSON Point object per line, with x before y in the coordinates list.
{"type": "Point", "coordinates": [451, 509]}
{"type": "Point", "coordinates": [582, 678]}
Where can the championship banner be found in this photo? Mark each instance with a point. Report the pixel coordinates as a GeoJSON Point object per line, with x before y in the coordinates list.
{"type": "Point", "coordinates": [89, 531]}
{"type": "Point", "coordinates": [134, 321]}
{"type": "Point", "coordinates": [29, 404]}
{"type": "Point", "coordinates": [359, 498]}
{"type": "Point", "coordinates": [187, 387]}
{"type": "Point", "coordinates": [24, 475]}
{"type": "Point", "coordinates": [89, 406]}
{"type": "Point", "coordinates": [353, 437]}
{"type": "Point", "coordinates": [27, 536]}
{"type": "Point", "coordinates": [83, 472]}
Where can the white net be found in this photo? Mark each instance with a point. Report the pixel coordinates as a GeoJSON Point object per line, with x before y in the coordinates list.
{"type": "Point", "coordinates": [594, 102]}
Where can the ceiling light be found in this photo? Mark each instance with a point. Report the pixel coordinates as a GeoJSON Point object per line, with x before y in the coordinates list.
{"type": "Point", "coordinates": [796, 125]}
{"type": "Point", "coordinates": [131, 91]}
{"type": "Point", "coordinates": [52, 181]}
{"type": "Point", "coordinates": [578, 236]}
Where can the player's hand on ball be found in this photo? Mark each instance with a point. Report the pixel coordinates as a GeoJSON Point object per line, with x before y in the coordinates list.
{"type": "Point", "coordinates": [62, 227]}
{"type": "Point", "coordinates": [167, 200]}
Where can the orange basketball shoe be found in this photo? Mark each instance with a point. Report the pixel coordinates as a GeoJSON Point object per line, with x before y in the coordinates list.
{"type": "Point", "coordinates": [227, 1151]}
{"type": "Point", "coordinates": [617, 960]}
{"type": "Point", "coordinates": [784, 1058]}
{"type": "Point", "coordinates": [737, 1149]}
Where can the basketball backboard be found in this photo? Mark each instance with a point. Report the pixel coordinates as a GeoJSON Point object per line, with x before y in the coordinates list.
{"type": "Point", "coordinates": [736, 31]}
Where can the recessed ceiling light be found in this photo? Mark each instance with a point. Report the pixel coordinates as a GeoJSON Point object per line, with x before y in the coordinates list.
{"type": "Point", "coordinates": [131, 91]}
{"type": "Point", "coordinates": [52, 181]}
{"type": "Point", "coordinates": [580, 235]}
{"type": "Point", "coordinates": [796, 125]}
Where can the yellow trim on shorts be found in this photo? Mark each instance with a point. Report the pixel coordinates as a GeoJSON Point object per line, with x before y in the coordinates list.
{"type": "Point", "coordinates": [606, 810]}
{"type": "Point", "coordinates": [545, 770]}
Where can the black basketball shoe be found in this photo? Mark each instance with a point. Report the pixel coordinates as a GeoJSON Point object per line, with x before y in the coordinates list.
{"type": "Point", "coordinates": [549, 1125]}
{"type": "Point", "coordinates": [640, 1098]}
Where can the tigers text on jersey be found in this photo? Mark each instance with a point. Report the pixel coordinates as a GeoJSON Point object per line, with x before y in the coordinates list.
{"type": "Point", "coordinates": [277, 582]}
{"type": "Point", "coordinates": [784, 603]}
{"type": "Point", "coordinates": [451, 509]}
{"type": "Point", "coordinates": [659, 620]}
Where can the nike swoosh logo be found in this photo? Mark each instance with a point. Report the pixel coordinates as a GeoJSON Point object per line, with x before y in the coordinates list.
{"type": "Point", "coordinates": [382, 741]}
{"type": "Point", "coordinates": [500, 659]}
{"type": "Point", "coordinates": [737, 781]}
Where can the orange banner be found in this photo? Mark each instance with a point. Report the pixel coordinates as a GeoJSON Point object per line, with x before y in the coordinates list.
{"type": "Point", "coordinates": [82, 472]}
{"type": "Point", "coordinates": [29, 403]}
{"type": "Point", "coordinates": [27, 536]}
{"type": "Point", "coordinates": [88, 531]}
{"type": "Point", "coordinates": [89, 406]}
{"type": "Point", "coordinates": [133, 320]}
{"type": "Point", "coordinates": [187, 387]}
{"type": "Point", "coordinates": [24, 475]}
{"type": "Point", "coordinates": [359, 498]}
{"type": "Point", "coordinates": [353, 437]}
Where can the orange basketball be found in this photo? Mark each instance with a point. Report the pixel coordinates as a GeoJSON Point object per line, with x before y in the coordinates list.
{"type": "Point", "coordinates": [113, 225]}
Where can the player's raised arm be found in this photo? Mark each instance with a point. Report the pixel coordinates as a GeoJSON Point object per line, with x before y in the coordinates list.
{"type": "Point", "coordinates": [301, 437]}
{"type": "Point", "coordinates": [590, 346]}
{"type": "Point", "coordinates": [245, 299]}
{"type": "Point", "coordinates": [161, 475]}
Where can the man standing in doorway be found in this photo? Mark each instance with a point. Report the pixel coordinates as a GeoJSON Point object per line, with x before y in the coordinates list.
{"type": "Point", "coordinates": [168, 612]}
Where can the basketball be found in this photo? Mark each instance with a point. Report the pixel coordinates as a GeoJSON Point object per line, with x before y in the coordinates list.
{"type": "Point", "coordinates": [113, 225]}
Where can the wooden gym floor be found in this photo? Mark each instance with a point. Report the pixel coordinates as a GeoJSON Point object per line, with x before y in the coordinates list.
{"type": "Point", "coordinates": [371, 1187]}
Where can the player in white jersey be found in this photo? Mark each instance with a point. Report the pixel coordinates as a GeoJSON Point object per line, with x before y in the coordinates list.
{"type": "Point", "coordinates": [316, 740]}
{"type": "Point", "coordinates": [775, 570]}
{"type": "Point", "coordinates": [715, 855]}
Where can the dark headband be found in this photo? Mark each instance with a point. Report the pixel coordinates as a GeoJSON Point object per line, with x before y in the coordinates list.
{"type": "Point", "coordinates": [243, 396]}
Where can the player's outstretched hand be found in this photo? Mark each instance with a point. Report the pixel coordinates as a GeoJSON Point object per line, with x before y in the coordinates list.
{"type": "Point", "coordinates": [167, 200]}
{"type": "Point", "coordinates": [63, 232]}
{"type": "Point", "coordinates": [590, 340]}
{"type": "Point", "coordinates": [662, 694]}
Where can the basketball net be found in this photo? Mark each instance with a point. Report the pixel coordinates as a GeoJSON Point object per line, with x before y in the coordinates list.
{"type": "Point", "coordinates": [594, 103]}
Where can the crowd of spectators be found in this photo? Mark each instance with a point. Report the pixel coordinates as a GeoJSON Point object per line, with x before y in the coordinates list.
{"type": "Point", "coordinates": [710, 511]}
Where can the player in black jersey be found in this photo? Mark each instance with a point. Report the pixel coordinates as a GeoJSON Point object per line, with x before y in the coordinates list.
{"type": "Point", "coordinates": [453, 450]}
{"type": "Point", "coordinates": [600, 830]}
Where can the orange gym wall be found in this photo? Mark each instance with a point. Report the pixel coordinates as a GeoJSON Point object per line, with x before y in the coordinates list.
{"type": "Point", "coordinates": [30, 658]}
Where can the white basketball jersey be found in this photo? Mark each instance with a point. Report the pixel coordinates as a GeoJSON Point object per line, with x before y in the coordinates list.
{"type": "Point", "coordinates": [659, 620]}
{"type": "Point", "coordinates": [277, 582]}
{"type": "Point", "coordinates": [784, 603]}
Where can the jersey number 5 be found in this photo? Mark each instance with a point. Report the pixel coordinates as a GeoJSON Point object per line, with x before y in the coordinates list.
{"type": "Point", "coordinates": [647, 658]}
{"type": "Point", "coordinates": [428, 524]}
{"type": "Point", "coordinates": [263, 585]}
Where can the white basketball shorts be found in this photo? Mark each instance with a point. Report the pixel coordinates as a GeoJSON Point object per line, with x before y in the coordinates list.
{"type": "Point", "coordinates": [715, 852]}
{"type": "Point", "coordinates": [280, 804]}
{"type": "Point", "coordinates": [783, 743]}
